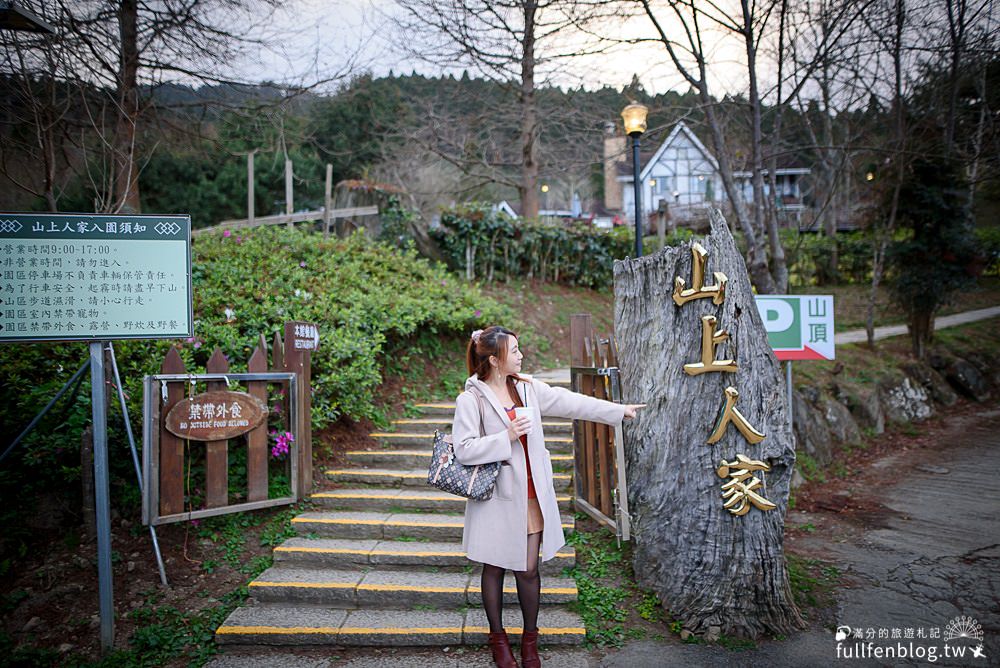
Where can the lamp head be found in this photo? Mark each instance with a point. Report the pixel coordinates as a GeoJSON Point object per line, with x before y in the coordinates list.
{"type": "Point", "coordinates": [634, 116]}
{"type": "Point", "coordinates": [545, 188]}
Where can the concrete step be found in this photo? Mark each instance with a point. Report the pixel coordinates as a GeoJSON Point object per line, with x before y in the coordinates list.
{"type": "Point", "coordinates": [553, 427]}
{"type": "Point", "coordinates": [388, 589]}
{"type": "Point", "coordinates": [416, 440]}
{"type": "Point", "coordinates": [387, 526]}
{"type": "Point", "coordinates": [274, 624]}
{"type": "Point", "coordinates": [410, 478]}
{"type": "Point", "coordinates": [415, 459]}
{"type": "Point", "coordinates": [394, 499]}
{"type": "Point", "coordinates": [339, 553]}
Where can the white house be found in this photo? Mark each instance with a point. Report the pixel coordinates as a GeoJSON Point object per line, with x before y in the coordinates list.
{"type": "Point", "coordinates": [683, 176]}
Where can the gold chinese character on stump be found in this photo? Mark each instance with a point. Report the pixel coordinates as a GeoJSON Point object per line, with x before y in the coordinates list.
{"type": "Point", "coordinates": [710, 339]}
{"type": "Point", "coordinates": [699, 258]}
{"type": "Point", "coordinates": [741, 491]}
{"type": "Point", "coordinates": [730, 414]}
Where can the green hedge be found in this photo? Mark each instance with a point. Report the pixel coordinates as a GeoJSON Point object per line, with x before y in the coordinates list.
{"type": "Point", "coordinates": [989, 245]}
{"type": "Point", "coordinates": [808, 256]}
{"type": "Point", "coordinates": [372, 302]}
{"type": "Point", "coordinates": [501, 247]}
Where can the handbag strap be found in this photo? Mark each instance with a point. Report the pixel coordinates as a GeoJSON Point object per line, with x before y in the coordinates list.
{"type": "Point", "coordinates": [482, 415]}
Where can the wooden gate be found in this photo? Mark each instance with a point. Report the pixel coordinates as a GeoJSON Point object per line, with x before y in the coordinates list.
{"type": "Point", "coordinates": [189, 478]}
{"type": "Point", "coordinates": [599, 456]}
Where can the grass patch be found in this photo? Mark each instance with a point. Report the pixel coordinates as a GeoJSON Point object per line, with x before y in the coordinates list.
{"type": "Point", "coordinates": [812, 581]}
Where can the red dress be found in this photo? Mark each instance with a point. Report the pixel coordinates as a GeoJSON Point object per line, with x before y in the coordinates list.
{"type": "Point", "coordinates": [524, 443]}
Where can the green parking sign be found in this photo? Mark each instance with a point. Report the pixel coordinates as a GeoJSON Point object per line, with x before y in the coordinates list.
{"type": "Point", "coordinates": [799, 327]}
{"type": "Point", "coordinates": [83, 277]}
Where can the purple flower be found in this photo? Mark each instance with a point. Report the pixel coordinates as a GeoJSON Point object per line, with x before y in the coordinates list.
{"type": "Point", "coordinates": [478, 313]}
{"type": "Point", "coordinates": [282, 444]}
{"type": "Point", "coordinates": [302, 264]}
{"type": "Point", "coordinates": [197, 344]}
{"type": "Point", "coordinates": [227, 233]}
{"type": "Point", "coordinates": [195, 523]}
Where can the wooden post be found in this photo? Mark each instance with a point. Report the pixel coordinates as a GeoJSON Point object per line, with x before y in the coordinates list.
{"type": "Point", "coordinates": [661, 226]}
{"type": "Point", "coordinates": [277, 353]}
{"type": "Point", "coordinates": [217, 452]}
{"type": "Point", "coordinates": [298, 361]}
{"type": "Point", "coordinates": [289, 205]}
{"type": "Point", "coordinates": [327, 201]}
{"type": "Point", "coordinates": [250, 179]}
{"type": "Point", "coordinates": [257, 438]}
{"type": "Point", "coordinates": [580, 328]}
{"type": "Point", "coordinates": [171, 447]}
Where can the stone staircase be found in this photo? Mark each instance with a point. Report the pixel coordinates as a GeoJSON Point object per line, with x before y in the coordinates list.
{"type": "Point", "coordinates": [382, 562]}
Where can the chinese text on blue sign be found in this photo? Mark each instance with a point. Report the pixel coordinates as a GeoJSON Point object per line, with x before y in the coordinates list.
{"type": "Point", "coordinates": [94, 277]}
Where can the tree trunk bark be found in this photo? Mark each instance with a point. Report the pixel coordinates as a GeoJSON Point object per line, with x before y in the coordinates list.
{"type": "Point", "coordinates": [528, 190]}
{"type": "Point", "coordinates": [883, 237]}
{"type": "Point", "coordinates": [708, 566]}
{"type": "Point", "coordinates": [778, 269]}
{"type": "Point", "coordinates": [125, 184]}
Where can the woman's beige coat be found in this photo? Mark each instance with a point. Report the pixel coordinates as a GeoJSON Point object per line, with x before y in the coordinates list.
{"type": "Point", "coordinates": [496, 530]}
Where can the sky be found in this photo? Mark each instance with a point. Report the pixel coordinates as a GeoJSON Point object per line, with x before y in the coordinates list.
{"type": "Point", "coordinates": [322, 40]}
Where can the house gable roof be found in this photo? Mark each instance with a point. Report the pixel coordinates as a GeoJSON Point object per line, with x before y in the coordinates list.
{"type": "Point", "coordinates": [681, 127]}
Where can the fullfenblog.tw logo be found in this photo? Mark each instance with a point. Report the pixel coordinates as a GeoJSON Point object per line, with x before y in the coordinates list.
{"type": "Point", "coordinates": [966, 628]}
{"type": "Point", "coordinates": [962, 638]}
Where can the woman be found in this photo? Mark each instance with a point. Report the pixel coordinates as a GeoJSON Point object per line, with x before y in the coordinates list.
{"type": "Point", "coordinates": [506, 531]}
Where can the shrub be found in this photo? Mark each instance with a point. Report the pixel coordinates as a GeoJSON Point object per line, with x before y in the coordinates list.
{"type": "Point", "coordinates": [807, 257]}
{"type": "Point", "coordinates": [485, 244]}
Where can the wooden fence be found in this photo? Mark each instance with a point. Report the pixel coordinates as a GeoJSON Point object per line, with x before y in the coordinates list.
{"type": "Point", "coordinates": [290, 219]}
{"type": "Point", "coordinates": [168, 458]}
{"type": "Point", "coordinates": [599, 458]}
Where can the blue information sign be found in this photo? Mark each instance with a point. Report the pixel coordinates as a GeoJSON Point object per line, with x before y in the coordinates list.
{"type": "Point", "coordinates": [85, 277]}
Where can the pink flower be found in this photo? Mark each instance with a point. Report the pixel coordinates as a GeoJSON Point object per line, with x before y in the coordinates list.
{"type": "Point", "coordinates": [190, 339]}
{"type": "Point", "coordinates": [197, 344]}
{"type": "Point", "coordinates": [195, 523]}
{"type": "Point", "coordinates": [227, 233]}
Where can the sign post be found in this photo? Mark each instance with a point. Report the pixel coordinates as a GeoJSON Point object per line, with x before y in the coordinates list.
{"type": "Point", "coordinates": [83, 277]}
{"type": "Point", "coordinates": [301, 339]}
{"type": "Point", "coordinates": [101, 487]}
{"type": "Point", "coordinates": [799, 327]}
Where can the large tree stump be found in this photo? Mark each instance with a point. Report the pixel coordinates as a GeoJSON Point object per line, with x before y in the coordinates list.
{"type": "Point", "coordinates": [709, 567]}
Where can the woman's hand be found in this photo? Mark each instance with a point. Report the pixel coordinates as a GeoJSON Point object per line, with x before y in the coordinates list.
{"type": "Point", "coordinates": [519, 428]}
{"type": "Point", "coordinates": [630, 410]}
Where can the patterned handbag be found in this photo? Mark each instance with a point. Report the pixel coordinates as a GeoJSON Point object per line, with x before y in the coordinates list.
{"type": "Point", "coordinates": [473, 482]}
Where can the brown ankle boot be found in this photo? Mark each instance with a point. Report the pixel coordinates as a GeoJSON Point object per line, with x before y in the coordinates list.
{"type": "Point", "coordinates": [502, 654]}
{"type": "Point", "coordinates": [529, 650]}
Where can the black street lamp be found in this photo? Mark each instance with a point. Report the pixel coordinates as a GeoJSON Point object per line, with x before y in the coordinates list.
{"type": "Point", "coordinates": [634, 116]}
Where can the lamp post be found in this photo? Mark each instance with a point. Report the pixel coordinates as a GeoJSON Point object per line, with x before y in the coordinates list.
{"type": "Point", "coordinates": [545, 200]}
{"type": "Point", "coordinates": [634, 116]}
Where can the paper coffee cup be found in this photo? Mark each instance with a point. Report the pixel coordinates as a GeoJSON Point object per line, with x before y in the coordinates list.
{"type": "Point", "coordinates": [524, 411]}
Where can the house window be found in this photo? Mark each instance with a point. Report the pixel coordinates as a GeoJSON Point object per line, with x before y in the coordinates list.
{"type": "Point", "coordinates": [662, 185]}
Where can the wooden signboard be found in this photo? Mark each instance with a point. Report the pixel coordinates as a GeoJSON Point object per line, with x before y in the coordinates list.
{"type": "Point", "coordinates": [215, 416]}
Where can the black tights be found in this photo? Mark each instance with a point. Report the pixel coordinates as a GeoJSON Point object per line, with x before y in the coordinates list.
{"type": "Point", "coordinates": [529, 586]}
